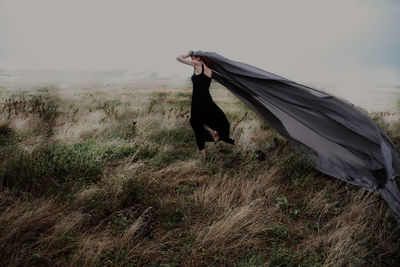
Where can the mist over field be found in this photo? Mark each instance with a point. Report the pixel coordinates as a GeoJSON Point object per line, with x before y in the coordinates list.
{"type": "Point", "coordinates": [378, 97]}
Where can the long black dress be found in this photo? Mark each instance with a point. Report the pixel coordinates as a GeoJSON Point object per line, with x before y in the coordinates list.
{"type": "Point", "coordinates": [204, 110]}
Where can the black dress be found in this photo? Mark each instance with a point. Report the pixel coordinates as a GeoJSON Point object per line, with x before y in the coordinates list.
{"type": "Point", "coordinates": [204, 110]}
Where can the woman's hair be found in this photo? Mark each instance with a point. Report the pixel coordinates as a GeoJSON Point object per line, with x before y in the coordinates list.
{"type": "Point", "coordinates": [205, 60]}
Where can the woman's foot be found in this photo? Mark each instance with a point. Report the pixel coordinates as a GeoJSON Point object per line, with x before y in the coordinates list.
{"type": "Point", "coordinates": [203, 153]}
{"type": "Point", "coordinates": [215, 136]}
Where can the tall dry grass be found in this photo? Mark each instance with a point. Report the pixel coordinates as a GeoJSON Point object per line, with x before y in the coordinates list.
{"type": "Point", "coordinates": [110, 176]}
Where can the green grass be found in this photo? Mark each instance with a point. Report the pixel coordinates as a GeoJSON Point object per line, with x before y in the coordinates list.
{"type": "Point", "coordinates": [54, 167]}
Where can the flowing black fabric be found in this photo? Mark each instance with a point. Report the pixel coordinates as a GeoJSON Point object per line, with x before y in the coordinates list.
{"type": "Point", "coordinates": [342, 140]}
{"type": "Point", "coordinates": [205, 111]}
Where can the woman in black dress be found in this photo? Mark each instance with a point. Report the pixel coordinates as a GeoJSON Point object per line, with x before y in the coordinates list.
{"type": "Point", "coordinates": [206, 118]}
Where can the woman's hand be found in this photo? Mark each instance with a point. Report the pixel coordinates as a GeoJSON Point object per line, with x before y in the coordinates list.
{"type": "Point", "coordinates": [188, 54]}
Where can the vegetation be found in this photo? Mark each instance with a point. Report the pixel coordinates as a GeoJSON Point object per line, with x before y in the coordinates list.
{"type": "Point", "coordinates": [110, 176]}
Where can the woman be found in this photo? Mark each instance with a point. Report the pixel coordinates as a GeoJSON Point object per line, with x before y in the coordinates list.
{"type": "Point", "coordinates": [206, 118]}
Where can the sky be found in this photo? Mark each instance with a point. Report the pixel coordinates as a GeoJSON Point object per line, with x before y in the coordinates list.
{"type": "Point", "coordinates": [308, 40]}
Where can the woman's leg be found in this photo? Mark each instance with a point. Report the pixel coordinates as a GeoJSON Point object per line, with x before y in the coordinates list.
{"type": "Point", "coordinates": [213, 133]}
{"type": "Point", "coordinates": [197, 133]}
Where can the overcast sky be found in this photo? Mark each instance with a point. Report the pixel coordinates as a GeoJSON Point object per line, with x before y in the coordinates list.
{"type": "Point", "coordinates": [308, 40]}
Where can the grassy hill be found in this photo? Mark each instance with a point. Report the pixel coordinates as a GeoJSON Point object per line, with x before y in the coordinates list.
{"type": "Point", "coordinates": [109, 175]}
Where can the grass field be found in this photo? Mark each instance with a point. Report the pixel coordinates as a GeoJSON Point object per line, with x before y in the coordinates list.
{"type": "Point", "coordinates": [109, 175]}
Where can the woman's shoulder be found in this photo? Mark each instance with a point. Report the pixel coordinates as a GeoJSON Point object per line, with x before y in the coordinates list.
{"type": "Point", "coordinates": [205, 66]}
{"type": "Point", "coordinates": [207, 70]}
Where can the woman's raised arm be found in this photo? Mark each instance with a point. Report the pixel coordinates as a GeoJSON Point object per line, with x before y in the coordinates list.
{"type": "Point", "coordinates": [182, 58]}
